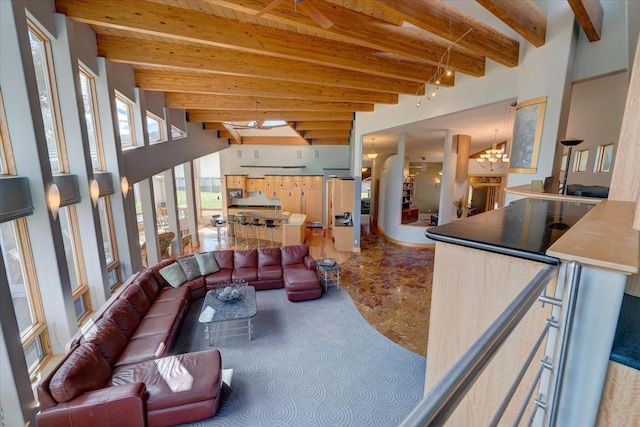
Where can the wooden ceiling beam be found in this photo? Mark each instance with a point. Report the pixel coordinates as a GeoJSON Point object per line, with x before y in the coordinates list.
{"type": "Point", "coordinates": [324, 125]}
{"type": "Point", "coordinates": [523, 16]}
{"type": "Point", "coordinates": [196, 27]}
{"type": "Point", "coordinates": [214, 126]}
{"type": "Point", "coordinates": [324, 134]}
{"type": "Point", "coordinates": [273, 140]}
{"type": "Point", "coordinates": [243, 115]}
{"type": "Point", "coordinates": [230, 102]}
{"type": "Point", "coordinates": [353, 27]}
{"type": "Point", "coordinates": [590, 15]}
{"type": "Point", "coordinates": [336, 141]}
{"type": "Point", "coordinates": [237, 85]}
{"type": "Point", "coordinates": [230, 62]}
{"type": "Point", "coordinates": [446, 21]}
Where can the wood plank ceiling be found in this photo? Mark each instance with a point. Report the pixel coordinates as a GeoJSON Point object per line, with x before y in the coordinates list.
{"type": "Point", "coordinates": [227, 61]}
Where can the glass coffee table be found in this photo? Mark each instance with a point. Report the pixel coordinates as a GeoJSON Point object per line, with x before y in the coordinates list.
{"type": "Point", "coordinates": [228, 319]}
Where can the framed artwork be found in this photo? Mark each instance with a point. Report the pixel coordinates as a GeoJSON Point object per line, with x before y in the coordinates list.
{"type": "Point", "coordinates": [527, 132]}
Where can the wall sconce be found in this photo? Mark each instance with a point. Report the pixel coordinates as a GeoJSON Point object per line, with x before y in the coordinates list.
{"type": "Point", "coordinates": [124, 186]}
{"type": "Point", "coordinates": [94, 192]}
{"type": "Point", "coordinates": [364, 169]}
{"type": "Point", "coordinates": [53, 200]}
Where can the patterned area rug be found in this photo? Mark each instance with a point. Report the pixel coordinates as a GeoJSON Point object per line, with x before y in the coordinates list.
{"type": "Point", "coordinates": [312, 363]}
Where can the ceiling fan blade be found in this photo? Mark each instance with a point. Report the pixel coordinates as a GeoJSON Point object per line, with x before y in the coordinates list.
{"type": "Point", "coordinates": [266, 9]}
{"type": "Point", "coordinates": [312, 12]}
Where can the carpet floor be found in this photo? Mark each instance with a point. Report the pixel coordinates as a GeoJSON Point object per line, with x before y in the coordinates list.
{"type": "Point", "coordinates": [312, 363]}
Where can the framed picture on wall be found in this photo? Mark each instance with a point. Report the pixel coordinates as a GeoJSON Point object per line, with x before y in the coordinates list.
{"type": "Point", "coordinates": [527, 132]}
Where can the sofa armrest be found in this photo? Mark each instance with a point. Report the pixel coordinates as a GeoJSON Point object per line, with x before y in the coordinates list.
{"type": "Point", "coordinates": [310, 263]}
{"type": "Point", "coordinates": [123, 405]}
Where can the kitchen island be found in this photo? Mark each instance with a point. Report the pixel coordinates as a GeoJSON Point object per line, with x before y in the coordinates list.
{"type": "Point", "coordinates": [288, 229]}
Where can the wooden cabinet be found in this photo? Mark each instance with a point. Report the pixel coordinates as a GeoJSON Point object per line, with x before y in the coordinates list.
{"type": "Point", "coordinates": [343, 195]}
{"type": "Point", "coordinates": [255, 185]}
{"type": "Point", "coordinates": [312, 198]}
{"type": "Point", "coordinates": [343, 238]}
{"type": "Point", "coordinates": [273, 184]}
{"type": "Point", "coordinates": [313, 181]}
{"type": "Point", "coordinates": [291, 200]}
{"type": "Point", "coordinates": [236, 182]}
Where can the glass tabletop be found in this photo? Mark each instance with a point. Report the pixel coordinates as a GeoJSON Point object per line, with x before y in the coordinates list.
{"type": "Point", "coordinates": [214, 310]}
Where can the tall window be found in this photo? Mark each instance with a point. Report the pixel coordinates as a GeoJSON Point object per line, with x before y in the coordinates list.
{"type": "Point", "coordinates": [41, 53]}
{"type": "Point", "coordinates": [108, 242]}
{"type": "Point", "coordinates": [25, 294]}
{"type": "Point", "coordinates": [603, 161]}
{"type": "Point", "coordinates": [125, 121]}
{"type": "Point", "coordinates": [177, 133]}
{"type": "Point", "coordinates": [87, 85]}
{"type": "Point", "coordinates": [155, 129]}
{"type": "Point", "coordinates": [75, 263]}
{"type": "Point", "coordinates": [581, 161]}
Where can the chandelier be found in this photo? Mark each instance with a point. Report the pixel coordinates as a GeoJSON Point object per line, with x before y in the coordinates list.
{"type": "Point", "coordinates": [372, 154]}
{"type": "Point", "coordinates": [494, 158]}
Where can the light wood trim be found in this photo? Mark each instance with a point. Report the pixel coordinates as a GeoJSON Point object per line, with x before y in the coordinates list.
{"type": "Point", "coordinates": [465, 301]}
{"type": "Point", "coordinates": [620, 403]}
{"type": "Point", "coordinates": [309, 125]}
{"type": "Point", "coordinates": [250, 86]}
{"type": "Point", "coordinates": [603, 238]}
{"type": "Point", "coordinates": [217, 116]}
{"type": "Point", "coordinates": [214, 126]}
{"type": "Point", "coordinates": [167, 21]}
{"type": "Point", "coordinates": [327, 134]}
{"type": "Point", "coordinates": [523, 16]}
{"type": "Point", "coordinates": [226, 61]}
{"type": "Point", "coordinates": [230, 102]}
{"type": "Point", "coordinates": [589, 14]}
{"type": "Point", "coordinates": [444, 20]}
{"type": "Point", "coordinates": [364, 30]}
{"type": "Point", "coordinates": [633, 285]}
{"type": "Point", "coordinates": [330, 141]}
{"type": "Point", "coordinates": [462, 159]}
{"type": "Point", "coordinates": [523, 190]}
{"type": "Point", "coordinates": [96, 117]}
{"type": "Point", "coordinates": [9, 165]}
{"type": "Point", "coordinates": [273, 140]}
{"type": "Point", "coordinates": [625, 180]}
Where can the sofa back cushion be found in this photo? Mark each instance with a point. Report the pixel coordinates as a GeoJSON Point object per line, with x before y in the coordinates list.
{"type": "Point", "coordinates": [173, 274]}
{"type": "Point", "coordinates": [125, 316]}
{"type": "Point", "coordinates": [84, 370]}
{"type": "Point", "coordinates": [247, 258]}
{"type": "Point", "coordinates": [224, 259]}
{"type": "Point", "coordinates": [294, 254]}
{"type": "Point", "coordinates": [269, 257]}
{"type": "Point", "coordinates": [155, 270]}
{"type": "Point", "coordinates": [189, 266]}
{"type": "Point", "coordinates": [207, 263]}
{"type": "Point", "coordinates": [149, 284]}
{"type": "Point", "coordinates": [107, 336]}
{"type": "Point", "coordinates": [137, 298]}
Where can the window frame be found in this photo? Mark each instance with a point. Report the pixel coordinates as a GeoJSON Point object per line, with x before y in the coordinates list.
{"type": "Point", "coordinates": [601, 156]}
{"type": "Point", "coordinates": [130, 118]}
{"type": "Point", "coordinates": [38, 329]}
{"type": "Point", "coordinates": [162, 137]}
{"type": "Point", "coordinates": [179, 133]}
{"type": "Point", "coordinates": [54, 98]}
{"type": "Point", "coordinates": [578, 160]}
{"type": "Point", "coordinates": [83, 290]}
{"type": "Point", "coordinates": [115, 264]}
{"type": "Point", "coordinates": [83, 72]}
{"type": "Point", "coordinates": [7, 165]}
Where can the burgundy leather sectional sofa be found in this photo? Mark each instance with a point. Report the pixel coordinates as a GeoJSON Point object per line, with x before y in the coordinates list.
{"type": "Point", "coordinates": [120, 370]}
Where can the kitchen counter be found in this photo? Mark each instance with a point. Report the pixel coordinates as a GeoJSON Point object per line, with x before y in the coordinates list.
{"type": "Point", "coordinates": [264, 215]}
{"type": "Point", "coordinates": [525, 229]}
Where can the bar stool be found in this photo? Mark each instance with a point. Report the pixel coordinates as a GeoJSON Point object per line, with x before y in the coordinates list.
{"type": "Point", "coordinates": [270, 224]}
{"type": "Point", "coordinates": [220, 223]}
{"type": "Point", "coordinates": [256, 224]}
{"type": "Point", "coordinates": [231, 229]}
{"type": "Point", "coordinates": [242, 220]}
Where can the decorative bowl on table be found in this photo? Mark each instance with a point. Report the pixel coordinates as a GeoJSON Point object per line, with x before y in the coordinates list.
{"type": "Point", "coordinates": [231, 292]}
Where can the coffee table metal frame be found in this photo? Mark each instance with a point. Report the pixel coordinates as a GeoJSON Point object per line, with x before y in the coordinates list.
{"type": "Point", "coordinates": [229, 319]}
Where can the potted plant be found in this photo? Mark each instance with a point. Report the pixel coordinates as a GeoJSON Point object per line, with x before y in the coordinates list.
{"type": "Point", "coordinates": [459, 204]}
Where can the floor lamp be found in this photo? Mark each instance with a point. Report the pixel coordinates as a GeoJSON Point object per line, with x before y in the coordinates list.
{"type": "Point", "coordinates": [571, 142]}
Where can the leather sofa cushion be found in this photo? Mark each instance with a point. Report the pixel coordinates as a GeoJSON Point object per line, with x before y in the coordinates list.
{"type": "Point", "coordinates": [176, 380]}
{"type": "Point", "coordinates": [164, 308]}
{"type": "Point", "coordinates": [107, 336]}
{"type": "Point", "coordinates": [137, 298]}
{"type": "Point", "coordinates": [143, 349]}
{"type": "Point", "coordinates": [294, 254]}
{"type": "Point", "coordinates": [224, 259]}
{"type": "Point", "coordinates": [269, 257]}
{"type": "Point", "coordinates": [250, 274]}
{"type": "Point", "coordinates": [149, 284]}
{"type": "Point", "coordinates": [195, 287]}
{"type": "Point", "coordinates": [247, 258]}
{"type": "Point", "coordinates": [300, 280]}
{"type": "Point", "coordinates": [125, 317]}
{"type": "Point", "coordinates": [172, 293]}
{"type": "Point", "coordinates": [84, 370]}
{"type": "Point", "coordinates": [218, 278]}
{"type": "Point", "coordinates": [155, 326]}
{"type": "Point", "coordinates": [271, 272]}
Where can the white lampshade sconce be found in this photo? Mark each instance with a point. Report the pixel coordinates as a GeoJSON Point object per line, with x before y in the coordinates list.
{"type": "Point", "coordinates": [94, 192]}
{"type": "Point", "coordinates": [124, 186]}
{"type": "Point", "coordinates": [53, 200]}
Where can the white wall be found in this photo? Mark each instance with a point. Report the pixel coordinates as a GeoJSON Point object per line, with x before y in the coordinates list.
{"type": "Point", "coordinates": [597, 107]}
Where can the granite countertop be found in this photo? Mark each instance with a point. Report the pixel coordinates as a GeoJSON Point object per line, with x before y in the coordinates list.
{"type": "Point", "coordinates": [526, 228]}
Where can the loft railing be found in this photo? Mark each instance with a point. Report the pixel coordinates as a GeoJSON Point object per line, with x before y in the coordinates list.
{"type": "Point", "coordinates": [438, 405]}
